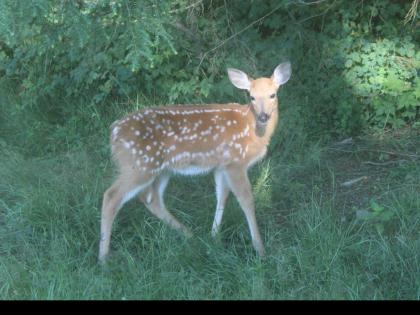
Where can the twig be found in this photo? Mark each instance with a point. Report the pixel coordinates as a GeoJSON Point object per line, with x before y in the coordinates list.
{"type": "Point", "coordinates": [353, 181]}
{"type": "Point", "coordinates": [345, 141]}
{"type": "Point", "coordinates": [186, 8]}
{"type": "Point", "coordinates": [412, 13]}
{"type": "Point", "coordinates": [411, 156]}
{"type": "Point", "coordinates": [310, 3]}
{"type": "Point", "coordinates": [384, 163]}
{"type": "Point", "coordinates": [237, 33]}
{"type": "Point", "coordinates": [317, 15]}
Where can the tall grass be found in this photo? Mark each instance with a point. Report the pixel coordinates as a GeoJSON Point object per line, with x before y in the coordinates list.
{"type": "Point", "coordinates": [318, 246]}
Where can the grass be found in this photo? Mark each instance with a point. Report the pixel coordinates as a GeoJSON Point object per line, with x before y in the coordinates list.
{"type": "Point", "coordinates": [323, 240]}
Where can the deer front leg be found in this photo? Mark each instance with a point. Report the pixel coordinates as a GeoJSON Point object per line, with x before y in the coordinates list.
{"type": "Point", "coordinates": [222, 192]}
{"type": "Point", "coordinates": [238, 181]}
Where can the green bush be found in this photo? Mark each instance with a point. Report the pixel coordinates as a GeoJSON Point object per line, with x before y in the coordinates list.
{"type": "Point", "coordinates": [72, 48]}
{"type": "Point", "coordinates": [355, 63]}
{"type": "Point", "coordinates": [379, 62]}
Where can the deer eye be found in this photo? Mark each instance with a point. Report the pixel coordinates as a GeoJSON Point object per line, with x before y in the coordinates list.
{"type": "Point", "coordinates": [272, 95]}
{"type": "Point", "coordinates": [252, 98]}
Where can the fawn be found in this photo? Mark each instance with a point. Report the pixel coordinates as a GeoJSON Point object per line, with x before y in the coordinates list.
{"type": "Point", "coordinates": [150, 145]}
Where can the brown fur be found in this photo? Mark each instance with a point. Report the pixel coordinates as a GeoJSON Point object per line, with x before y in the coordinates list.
{"type": "Point", "coordinates": [151, 144]}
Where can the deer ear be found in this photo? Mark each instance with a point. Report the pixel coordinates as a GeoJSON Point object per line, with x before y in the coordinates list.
{"type": "Point", "coordinates": [239, 79]}
{"type": "Point", "coordinates": [282, 73]}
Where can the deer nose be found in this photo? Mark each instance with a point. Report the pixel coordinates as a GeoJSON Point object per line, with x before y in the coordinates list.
{"type": "Point", "coordinates": [263, 118]}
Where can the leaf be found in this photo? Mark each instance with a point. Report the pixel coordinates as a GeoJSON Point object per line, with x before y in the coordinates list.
{"type": "Point", "coordinates": [394, 84]}
{"type": "Point", "coordinates": [387, 215]}
{"type": "Point", "coordinates": [348, 63]}
{"type": "Point", "coordinates": [376, 208]}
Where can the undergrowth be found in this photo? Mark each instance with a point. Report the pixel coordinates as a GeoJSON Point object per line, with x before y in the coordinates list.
{"type": "Point", "coordinates": [325, 239]}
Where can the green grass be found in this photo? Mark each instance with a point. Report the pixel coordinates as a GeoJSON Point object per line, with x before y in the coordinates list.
{"type": "Point", "coordinates": [323, 240]}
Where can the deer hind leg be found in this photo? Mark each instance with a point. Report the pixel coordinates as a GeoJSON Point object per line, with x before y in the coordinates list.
{"type": "Point", "coordinates": [222, 193]}
{"type": "Point", "coordinates": [152, 197]}
{"type": "Point", "coordinates": [238, 182]}
{"type": "Point", "coordinates": [123, 189]}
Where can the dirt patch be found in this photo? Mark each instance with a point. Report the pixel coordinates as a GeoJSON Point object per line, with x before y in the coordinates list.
{"type": "Point", "coordinates": [365, 168]}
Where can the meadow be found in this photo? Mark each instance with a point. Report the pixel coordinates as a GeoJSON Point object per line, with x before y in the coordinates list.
{"type": "Point", "coordinates": [327, 236]}
{"type": "Point", "coordinates": [337, 196]}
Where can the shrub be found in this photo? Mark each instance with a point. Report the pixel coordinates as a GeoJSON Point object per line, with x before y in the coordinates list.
{"type": "Point", "coordinates": [355, 63]}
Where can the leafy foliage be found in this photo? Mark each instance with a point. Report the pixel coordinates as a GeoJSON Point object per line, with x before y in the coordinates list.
{"type": "Point", "coordinates": [355, 63]}
{"type": "Point", "coordinates": [380, 63]}
{"type": "Point", "coordinates": [67, 49]}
